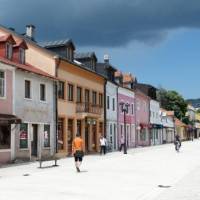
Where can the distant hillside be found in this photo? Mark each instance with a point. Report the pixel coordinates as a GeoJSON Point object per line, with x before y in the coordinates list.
{"type": "Point", "coordinates": [195, 102]}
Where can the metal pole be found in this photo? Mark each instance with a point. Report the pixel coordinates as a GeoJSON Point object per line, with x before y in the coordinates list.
{"type": "Point", "coordinates": [125, 146]}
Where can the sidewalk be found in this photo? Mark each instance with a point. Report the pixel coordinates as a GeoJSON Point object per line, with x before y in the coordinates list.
{"type": "Point", "coordinates": [134, 176]}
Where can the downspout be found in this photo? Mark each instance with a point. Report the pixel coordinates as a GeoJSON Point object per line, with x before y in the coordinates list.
{"type": "Point", "coordinates": [57, 63]}
{"type": "Point", "coordinates": [105, 108]}
{"type": "Point", "coordinates": [135, 117]}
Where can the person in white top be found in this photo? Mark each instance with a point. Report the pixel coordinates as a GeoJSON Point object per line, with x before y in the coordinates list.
{"type": "Point", "coordinates": [103, 143]}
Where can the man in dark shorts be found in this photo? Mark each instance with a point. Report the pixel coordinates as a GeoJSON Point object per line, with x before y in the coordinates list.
{"type": "Point", "coordinates": [77, 150]}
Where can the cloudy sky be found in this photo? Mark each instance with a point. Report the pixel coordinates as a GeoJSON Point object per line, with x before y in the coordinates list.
{"type": "Point", "coordinates": [156, 40]}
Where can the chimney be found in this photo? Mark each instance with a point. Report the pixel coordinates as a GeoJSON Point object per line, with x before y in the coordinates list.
{"type": "Point", "coordinates": [106, 58]}
{"type": "Point", "coordinates": [30, 31]}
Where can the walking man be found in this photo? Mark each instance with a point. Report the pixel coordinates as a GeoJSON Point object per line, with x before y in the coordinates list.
{"type": "Point", "coordinates": [77, 150]}
{"type": "Point", "coordinates": [103, 142]}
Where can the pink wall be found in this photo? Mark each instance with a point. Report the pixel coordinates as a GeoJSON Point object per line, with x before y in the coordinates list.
{"type": "Point", "coordinates": [6, 104]}
{"type": "Point", "coordinates": [142, 108]}
{"type": "Point", "coordinates": [5, 157]}
{"type": "Point", "coordinates": [130, 120]}
{"type": "Point", "coordinates": [129, 117]}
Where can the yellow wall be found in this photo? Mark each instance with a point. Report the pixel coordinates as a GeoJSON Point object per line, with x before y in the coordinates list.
{"type": "Point", "coordinates": [78, 77]}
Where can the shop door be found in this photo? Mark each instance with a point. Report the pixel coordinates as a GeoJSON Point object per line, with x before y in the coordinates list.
{"type": "Point", "coordinates": [70, 135]}
{"type": "Point", "coordinates": [34, 143]}
{"type": "Point", "coordinates": [94, 137]}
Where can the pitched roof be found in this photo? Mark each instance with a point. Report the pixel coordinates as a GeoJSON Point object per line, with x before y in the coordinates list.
{"type": "Point", "coordinates": [85, 55]}
{"type": "Point", "coordinates": [27, 67]}
{"type": "Point", "coordinates": [21, 42]}
{"type": "Point", "coordinates": [7, 37]}
{"type": "Point", "coordinates": [57, 43]}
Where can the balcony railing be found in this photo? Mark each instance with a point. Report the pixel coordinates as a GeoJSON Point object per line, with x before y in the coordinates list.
{"type": "Point", "coordinates": [88, 108]}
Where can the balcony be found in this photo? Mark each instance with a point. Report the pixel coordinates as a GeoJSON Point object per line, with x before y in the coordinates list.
{"type": "Point", "coordinates": [88, 108]}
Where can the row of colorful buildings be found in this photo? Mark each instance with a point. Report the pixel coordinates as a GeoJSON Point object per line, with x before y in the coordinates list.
{"type": "Point", "coordinates": [50, 91]}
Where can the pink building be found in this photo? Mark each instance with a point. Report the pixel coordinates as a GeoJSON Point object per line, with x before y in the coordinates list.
{"type": "Point", "coordinates": [126, 96]}
{"type": "Point", "coordinates": [142, 119]}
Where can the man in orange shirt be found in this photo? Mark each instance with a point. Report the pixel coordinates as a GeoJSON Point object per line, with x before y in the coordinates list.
{"type": "Point", "coordinates": [77, 150]}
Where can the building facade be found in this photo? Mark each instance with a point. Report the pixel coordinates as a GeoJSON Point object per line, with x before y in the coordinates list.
{"type": "Point", "coordinates": [155, 122]}
{"type": "Point", "coordinates": [32, 96]}
{"type": "Point", "coordinates": [168, 123]}
{"type": "Point", "coordinates": [142, 107]}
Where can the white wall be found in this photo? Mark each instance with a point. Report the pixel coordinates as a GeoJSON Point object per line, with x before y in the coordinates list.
{"type": "Point", "coordinates": [155, 112]}
{"type": "Point", "coordinates": [34, 111]}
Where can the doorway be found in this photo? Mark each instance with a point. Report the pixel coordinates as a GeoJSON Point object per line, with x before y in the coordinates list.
{"type": "Point", "coordinates": [34, 143]}
{"type": "Point", "coordinates": [87, 138]}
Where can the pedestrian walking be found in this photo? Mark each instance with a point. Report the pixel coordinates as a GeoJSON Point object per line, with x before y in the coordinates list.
{"type": "Point", "coordinates": [77, 150]}
{"type": "Point", "coordinates": [121, 142]}
{"type": "Point", "coordinates": [177, 143]}
{"type": "Point", "coordinates": [103, 143]}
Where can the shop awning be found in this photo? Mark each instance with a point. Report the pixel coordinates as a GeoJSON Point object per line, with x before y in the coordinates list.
{"type": "Point", "coordinates": [9, 119]}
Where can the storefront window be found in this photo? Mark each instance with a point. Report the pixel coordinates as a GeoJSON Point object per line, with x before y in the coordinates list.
{"type": "Point", "coordinates": [46, 135]}
{"type": "Point", "coordinates": [4, 137]}
{"type": "Point", "coordinates": [60, 133]}
{"type": "Point", "coordinates": [23, 136]}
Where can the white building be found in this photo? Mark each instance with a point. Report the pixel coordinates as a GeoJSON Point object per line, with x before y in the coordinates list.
{"type": "Point", "coordinates": [156, 124]}
{"type": "Point", "coordinates": [36, 106]}
{"type": "Point", "coordinates": [167, 119]}
{"type": "Point", "coordinates": [111, 114]}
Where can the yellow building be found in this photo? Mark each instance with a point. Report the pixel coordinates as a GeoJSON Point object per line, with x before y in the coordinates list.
{"type": "Point", "coordinates": [181, 129]}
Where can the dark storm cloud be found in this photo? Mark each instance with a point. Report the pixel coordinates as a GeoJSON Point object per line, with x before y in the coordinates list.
{"type": "Point", "coordinates": [101, 22]}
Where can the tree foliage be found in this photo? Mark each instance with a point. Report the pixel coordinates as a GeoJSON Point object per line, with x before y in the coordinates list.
{"type": "Point", "coordinates": [172, 100]}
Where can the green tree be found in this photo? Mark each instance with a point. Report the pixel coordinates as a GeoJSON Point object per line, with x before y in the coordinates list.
{"type": "Point", "coordinates": [172, 100]}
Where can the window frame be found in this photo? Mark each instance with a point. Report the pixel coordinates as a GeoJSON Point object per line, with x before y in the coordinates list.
{"type": "Point", "coordinates": [63, 93]}
{"type": "Point", "coordinates": [70, 97]}
{"type": "Point", "coordinates": [22, 58]}
{"type": "Point", "coordinates": [78, 88]}
{"type": "Point", "coordinates": [4, 84]}
{"type": "Point", "coordinates": [25, 89]}
{"type": "Point", "coordinates": [94, 98]}
{"type": "Point", "coordinates": [9, 51]}
{"type": "Point", "coordinates": [45, 92]}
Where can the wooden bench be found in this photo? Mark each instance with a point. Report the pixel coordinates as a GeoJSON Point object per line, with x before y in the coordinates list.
{"type": "Point", "coordinates": [48, 158]}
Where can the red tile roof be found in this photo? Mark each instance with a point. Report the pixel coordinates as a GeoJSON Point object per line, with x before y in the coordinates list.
{"type": "Point", "coordinates": [27, 67]}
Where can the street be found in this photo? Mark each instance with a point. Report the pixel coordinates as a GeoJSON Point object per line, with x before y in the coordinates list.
{"type": "Point", "coordinates": [153, 173]}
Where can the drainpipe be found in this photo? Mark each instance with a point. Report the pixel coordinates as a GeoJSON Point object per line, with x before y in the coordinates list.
{"type": "Point", "coordinates": [117, 118]}
{"type": "Point", "coordinates": [135, 118]}
{"type": "Point", "coordinates": [57, 63]}
{"type": "Point", "coordinates": [105, 108]}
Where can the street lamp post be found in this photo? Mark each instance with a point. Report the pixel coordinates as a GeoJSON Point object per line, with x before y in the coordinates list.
{"type": "Point", "coordinates": [124, 108]}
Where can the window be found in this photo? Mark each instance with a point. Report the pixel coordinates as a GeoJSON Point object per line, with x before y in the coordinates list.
{"type": "Point", "coordinates": [108, 102]}
{"type": "Point", "coordinates": [132, 109]}
{"type": "Point", "coordinates": [27, 89]}
{"type": "Point", "coordinates": [100, 100]}
{"type": "Point", "coordinates": [42, 92]}
{"type": "Point", "coordinates": [113, 104]}
{"type": "Point", "coordinates": [70, 54]}
{"type": "Point", "coordinates": [5, 137]}
{"type": "Point", "coordinates": [23, 144]}
{"type": "Point", "coordinates": [60, 133]}
{"type": "Point", "coordinates": [70, 92]}
{"type": "Point", "coordinates": [21, 55]}
{"type": "Point", "coordinates": [94, 98]}
{"type": "Point", "coordinates": [9, 50]}
{"type": "Point", "coordinates": [2, 84]}
{"type": "Point", "coordinates": [138, 105]}
{"type": "Point", "coordinates": [61, 90]}
{"type": "Point", "coordinates": [46, 135]}
{"type": "Point", "coordinates": [79, 95]}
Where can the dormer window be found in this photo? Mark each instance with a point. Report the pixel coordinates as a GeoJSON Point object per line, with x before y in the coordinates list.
{"type": "Point", "coordinates": [9, 50]}
{"type": "Point", "coordinates": [70, 54]}
{"type": "Point", "coordinates": [22, 55]}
